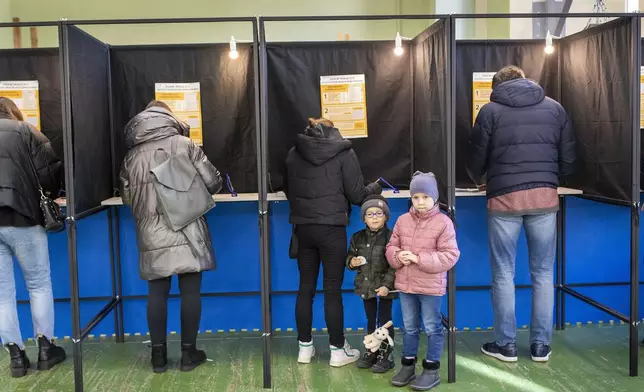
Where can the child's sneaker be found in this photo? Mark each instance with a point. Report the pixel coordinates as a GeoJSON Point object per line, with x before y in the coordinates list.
{"type": "Point", "coordinates": [367, 360]}
{"type": "Point", "coordinates": [385, 361]}
{"type": "Point", "coordinates": [343, 356]}
{"type": "Point", "coordinates": [307, 351]}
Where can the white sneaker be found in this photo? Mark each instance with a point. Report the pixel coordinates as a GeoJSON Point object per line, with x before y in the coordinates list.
{"type": "Point", "coordinates": [343, 356]}
{"type": "Point", "coordinates": [307, 351]}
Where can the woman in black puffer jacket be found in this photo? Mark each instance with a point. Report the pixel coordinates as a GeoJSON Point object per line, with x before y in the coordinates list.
{"type": "Point", "coordinates": [323, 179]}
{"type": "Point", "coordinates": [162, 251]}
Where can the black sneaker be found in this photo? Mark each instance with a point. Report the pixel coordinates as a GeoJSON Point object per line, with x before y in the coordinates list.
{"type": "Point", "coordinates": [507, 353]}
{"type": "Point", "coordinates": [540, 352]}
{"type": "Point", "coordinates": [367, 360]}
{"type": "Point", "coordinates": [49, 355]}
{"type": "Point", "coordinates": [19, 361]}
{"type": "Point", "coordinates": [384, 361]}
{"type": "Point", "coordinates": [191, 357]}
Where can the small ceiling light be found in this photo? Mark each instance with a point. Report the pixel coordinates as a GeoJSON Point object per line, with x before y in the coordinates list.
{"type": "Point", "coordinates": [398, 50]}
{"type": "Point", "coordinates": [233, 49]}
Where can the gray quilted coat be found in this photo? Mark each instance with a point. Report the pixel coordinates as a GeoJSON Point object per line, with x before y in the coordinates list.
{"type": "Point", "coordinates": [163, 252]}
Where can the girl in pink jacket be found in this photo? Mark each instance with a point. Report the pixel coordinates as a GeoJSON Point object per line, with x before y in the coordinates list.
{"type": "Point", "coordinates": [422, 249]}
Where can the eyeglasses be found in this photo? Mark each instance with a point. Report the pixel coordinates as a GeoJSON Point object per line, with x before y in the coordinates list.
{"type": "Point", "coordinates": [378, 214]}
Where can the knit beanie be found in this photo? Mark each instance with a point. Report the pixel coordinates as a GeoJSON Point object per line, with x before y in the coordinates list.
{"type": "Point", "coordinates": [376, 201]}
{"type": "Point", "coordinates": [424, 183]}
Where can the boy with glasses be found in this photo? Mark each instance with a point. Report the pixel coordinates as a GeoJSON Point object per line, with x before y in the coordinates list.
{"type": "Point", "coordinates": [375, 277]}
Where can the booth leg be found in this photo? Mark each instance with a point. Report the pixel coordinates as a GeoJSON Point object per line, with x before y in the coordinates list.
{"type": "Point", "coordinates": [561, 274]}
{"type": "Point", "coordinates": [634, 286]}
{"type": "Point", "coordinates": [451, 323]}
{"type": "Point", "coordinates": [75, 305]}
{"type": "Point", "coordinates": [558, 263]}
{"type": "Point", "coordinates": [110, 229]}
{"type": "Point", "coordinates": [119, 280]}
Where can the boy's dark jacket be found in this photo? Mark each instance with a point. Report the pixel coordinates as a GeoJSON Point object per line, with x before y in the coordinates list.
{"type": "Point", "coordinates": [377, 272]}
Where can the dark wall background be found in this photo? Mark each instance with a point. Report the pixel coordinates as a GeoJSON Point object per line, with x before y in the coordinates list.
{"type": "Point", "coordinates": [227, 99]}
{"type": "Point", "coordinates": [89, 77]}
{"type": "Point", "coordinates": [595, 79]}
{"type": "Point", "coordinates": [42, 65]}
{"type": "Point", "coordinates": [490, 56]}
{"type": "Point", "coordinates": [293, 95]}
{"type": "Point", "coordinates": [430, 104]}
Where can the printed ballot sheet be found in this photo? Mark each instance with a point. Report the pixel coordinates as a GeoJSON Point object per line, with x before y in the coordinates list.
{"type": "Point", "coordinates": [25, 95]}
{"type": "Point", "coordinates": [344, 101]}
{"type": "Point", "coordinates": [185, 101]}
{"type": "Point", "coordinates": [481, 91]}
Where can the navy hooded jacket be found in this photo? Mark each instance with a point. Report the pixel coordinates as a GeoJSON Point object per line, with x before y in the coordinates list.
{"type": "Point", "coordinates": [520, 140]}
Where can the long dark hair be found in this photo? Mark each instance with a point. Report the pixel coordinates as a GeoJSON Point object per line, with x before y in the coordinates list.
{"type": "Point", "coordinates": [9, 110]}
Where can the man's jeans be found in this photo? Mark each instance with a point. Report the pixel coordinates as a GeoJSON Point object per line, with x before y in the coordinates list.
{"type": "Point", "coordinates": [503, 234]}
{"type": "Point", "coordinates": [29, 246]}
{"type": "Point", "coordinates": [417, 307]}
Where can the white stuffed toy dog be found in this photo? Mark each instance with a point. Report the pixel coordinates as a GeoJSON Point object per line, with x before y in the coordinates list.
{"type": "Point", "coordinates": [372, 342]}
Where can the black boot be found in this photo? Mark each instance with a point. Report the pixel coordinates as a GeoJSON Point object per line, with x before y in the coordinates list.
{"type": "Point", "coordinates": [406, 374]}
{"type": "Point", "coordinates": [19, 361]}
{"type": "Point", "coordinates": [49, 355]}
{"type": "Point", "coordinates": [429, 378]}
{"type": "Point", "coordinates": [385, 359]}
{"type": "Point", "coordinates": [159, 358]}
{"type": "Point", "coordinates": [191, 357]}
{"type": "Point", "coordinates": [367, 360]}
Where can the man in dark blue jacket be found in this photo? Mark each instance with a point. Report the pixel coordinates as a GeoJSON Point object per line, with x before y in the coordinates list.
{"type": "Point", "coordinates": [521, 143]}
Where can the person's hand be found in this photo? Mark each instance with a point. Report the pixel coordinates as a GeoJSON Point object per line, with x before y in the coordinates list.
{"type": "Point", "coordinates": [374, 188]}
{"type": "Point", "coordinates": [413, 258]}
{"type": "Point", "coordinates": [482, 187]}
{"type": "Point", "coordinates": [403, 257]}
{"type": "Point", "coordinates": [383, 291]}
{"type": "Point", "coordinates": [355, 262]}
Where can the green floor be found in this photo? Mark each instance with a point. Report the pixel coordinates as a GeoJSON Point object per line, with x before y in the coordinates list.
{"type": "Point", "coordinates": [585, 359]}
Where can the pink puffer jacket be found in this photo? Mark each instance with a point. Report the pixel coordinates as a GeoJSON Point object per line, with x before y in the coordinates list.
{"type": "Point", "coordinates": [433, 239]}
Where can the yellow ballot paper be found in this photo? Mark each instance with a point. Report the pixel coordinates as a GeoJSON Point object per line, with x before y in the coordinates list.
{"type": "Point", "coordinates": [641, 97]}
{"type": "Point", "coordinates": [25, 95]}
{"type": "Point", "coordinates": [185, 101]}
{"type": "Point", "coordinates": [344, 101]}
{"type": "Point", "coordinates": [481, 91]}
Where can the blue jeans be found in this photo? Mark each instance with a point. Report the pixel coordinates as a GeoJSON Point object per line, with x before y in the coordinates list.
{"type": "Point", "coordinates": [541, 231]}
{"type": "Point", "coordinates": [429, 307]}
{"type": "Point", "coordinates": [29, 246]}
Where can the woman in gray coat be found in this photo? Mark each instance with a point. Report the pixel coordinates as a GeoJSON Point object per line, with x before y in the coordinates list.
{"type": "Point", "coordinates": [162, 251]}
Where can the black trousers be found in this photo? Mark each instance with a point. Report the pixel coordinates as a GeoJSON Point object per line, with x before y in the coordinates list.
{"type": "Point", "coordinates": [190, 288]}
{"type": "Point", "coordinates": [378, 310]}
{"type": "Point", "coordinates": [327, 245]}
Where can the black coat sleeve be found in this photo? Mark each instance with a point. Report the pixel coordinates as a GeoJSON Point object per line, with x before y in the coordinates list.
{"type": "Point", "coordinates": [46, 163]}
{"type": "Point", "coordinates": [353, 181]}
{"type": "Point", "coordinates": [567, 147]}
{"type": "Point", "coordinates": [479, 146]}
{"type": "Point", "coordinates": [210, 175]}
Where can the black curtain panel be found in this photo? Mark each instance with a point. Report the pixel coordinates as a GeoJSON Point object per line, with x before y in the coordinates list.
{"type": "Point", "coordinates": [293, 95]}
{"type": "Point", "coordinates": [595, 83]}
{"type": "Point", "coordinates": [430, 104]}
{"type": "Point", "coordinates": [42, 65]}
{"type": "Point", "coordinates": [227, 99]}
{"type": "Point", "coordinates": [490, 56]}
{"type": "Point", "coordinates": [89, 76]}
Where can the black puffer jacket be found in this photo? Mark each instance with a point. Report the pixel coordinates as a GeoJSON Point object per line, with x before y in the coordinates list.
{"type": "Point", "coordinates": [521, 140]}
{"type": "Point", "coordinates": [162, 252]}
{"type": "Point", "coordinates": [324, 178]}
{"type": "Point", "coordinates": [20, 143]}
{"type": "Point", "coordinates": [377, 272]}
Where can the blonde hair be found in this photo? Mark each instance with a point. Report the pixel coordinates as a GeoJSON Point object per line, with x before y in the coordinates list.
{"type": "Point", "coordinates": [9, 110]}
{"type": "Point", "coordinates": [323, 121]}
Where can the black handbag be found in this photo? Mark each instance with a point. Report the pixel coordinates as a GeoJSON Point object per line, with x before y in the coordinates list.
{"type": "Point", "coordinates": [54, 220]}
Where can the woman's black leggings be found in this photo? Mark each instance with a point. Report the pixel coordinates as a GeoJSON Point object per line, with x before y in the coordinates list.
{"type": "Point", "coordinates": [190, 288]}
